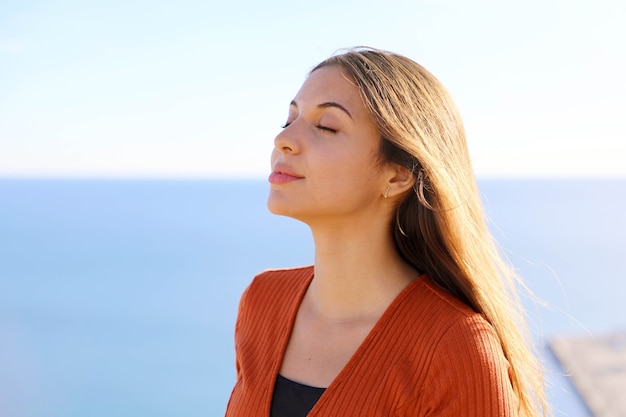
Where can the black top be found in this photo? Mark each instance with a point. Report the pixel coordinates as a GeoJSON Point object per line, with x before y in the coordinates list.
{"type": "Point", "coordinates": [292, 399]}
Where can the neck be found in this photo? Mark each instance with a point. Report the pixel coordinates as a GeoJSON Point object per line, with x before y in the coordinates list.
{"type": "Point", "coordinates": [358, 271]}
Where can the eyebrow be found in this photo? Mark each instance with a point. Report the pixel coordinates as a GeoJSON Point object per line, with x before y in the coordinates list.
{"type": "Point", "coordinates": [327, 104]}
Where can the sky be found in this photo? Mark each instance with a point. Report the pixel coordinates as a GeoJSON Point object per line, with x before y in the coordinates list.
{"type": "Point", "coordinates": [199, 89]}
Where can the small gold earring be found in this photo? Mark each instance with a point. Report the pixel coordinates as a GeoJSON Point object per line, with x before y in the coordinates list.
{"type": "Point", "coordinates": [386, 194]}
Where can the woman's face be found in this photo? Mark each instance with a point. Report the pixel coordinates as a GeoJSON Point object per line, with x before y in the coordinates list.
{"type": "Point", "coordinates": [325, 162]}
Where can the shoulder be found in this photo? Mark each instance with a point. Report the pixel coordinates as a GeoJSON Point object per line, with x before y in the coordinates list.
{"type": "Point", "coordinates": [269, 303]}
{"type": "Point", "coordinates": [458, 331]}
{"type": "Point", "coordinates": [273, 287]}
{"type": "Point", "coordinates": [433, 331]}
{"type": "Point", "coordinates": [467, 372]}
{"type": "Point", "coordinates": [279, 281]}
{"type": "Point", "coordinates": [435, 314]}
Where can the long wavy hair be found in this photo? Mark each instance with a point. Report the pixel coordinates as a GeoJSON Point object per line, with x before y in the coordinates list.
{"type": "Point", "coordinates": [439, 227]}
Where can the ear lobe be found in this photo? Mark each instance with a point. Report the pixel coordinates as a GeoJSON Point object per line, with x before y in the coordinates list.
{"type": "Point", "coordinates": [401, 181]}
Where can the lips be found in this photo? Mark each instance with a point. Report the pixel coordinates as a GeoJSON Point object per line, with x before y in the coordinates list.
{"type": "Point", "coordinates": [282, 174]}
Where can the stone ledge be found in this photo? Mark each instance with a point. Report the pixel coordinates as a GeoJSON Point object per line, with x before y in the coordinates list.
{"type": "Point", "coordinates": [597, 367]}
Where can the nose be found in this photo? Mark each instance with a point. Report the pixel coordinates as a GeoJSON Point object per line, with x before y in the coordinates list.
{"type": "Point", "coordinates": [286, 142]}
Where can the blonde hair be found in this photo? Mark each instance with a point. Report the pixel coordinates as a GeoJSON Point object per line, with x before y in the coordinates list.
{"type": "Point", "coordinates": [440, 228]}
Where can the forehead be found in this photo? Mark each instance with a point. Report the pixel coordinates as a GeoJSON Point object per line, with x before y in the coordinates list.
{"type": "Point", "coordinates": [332, 84]}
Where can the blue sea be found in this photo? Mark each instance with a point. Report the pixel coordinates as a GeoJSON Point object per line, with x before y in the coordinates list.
{"type": "Point", "coordinates": [119, 297]}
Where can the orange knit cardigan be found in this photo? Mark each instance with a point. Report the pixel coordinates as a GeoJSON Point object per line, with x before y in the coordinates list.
{"type": "Point", "coordinates": [428, 355]}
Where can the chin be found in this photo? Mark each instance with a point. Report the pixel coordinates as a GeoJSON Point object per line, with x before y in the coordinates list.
{"type": "Point", "coordinates": [277, 205]}
{"type": "Point", "coordinates": [283, 207]}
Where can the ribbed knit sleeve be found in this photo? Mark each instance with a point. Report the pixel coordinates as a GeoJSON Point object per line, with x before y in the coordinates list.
{"type": "Point", "coordinates": [468, 374]}
{"type": "Point", "coordinates": [267, 310]}
{"type": "Point", "coordinates": [238, 328]}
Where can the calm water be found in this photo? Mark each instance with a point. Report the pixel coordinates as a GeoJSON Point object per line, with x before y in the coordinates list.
{"type": "Point", "coordinates": [119, 297]}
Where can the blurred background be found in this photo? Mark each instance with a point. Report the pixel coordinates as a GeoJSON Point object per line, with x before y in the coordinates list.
{"type": "Point", "coordinates": [134, 146]}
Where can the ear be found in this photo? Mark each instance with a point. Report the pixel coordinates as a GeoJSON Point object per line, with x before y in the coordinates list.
{"type": "Point", "coordinates": [399, 181]}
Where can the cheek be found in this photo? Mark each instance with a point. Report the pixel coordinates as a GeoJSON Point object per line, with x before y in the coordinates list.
{"type": "Point", "coordinates": [359, 166]}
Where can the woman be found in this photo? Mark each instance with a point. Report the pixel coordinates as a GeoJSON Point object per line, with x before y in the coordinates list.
{"type": "Point", "coordinates": [408, 309]}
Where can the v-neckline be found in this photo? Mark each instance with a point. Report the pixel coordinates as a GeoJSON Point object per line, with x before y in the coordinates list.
{"type": "Point", "coordinates": [354, 359]}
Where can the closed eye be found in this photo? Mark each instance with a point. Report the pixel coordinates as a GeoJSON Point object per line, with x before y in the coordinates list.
{"type": "Point", "coordinates": [326, 128]}
{"type": "Point", "coordinates": [320, 127]}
